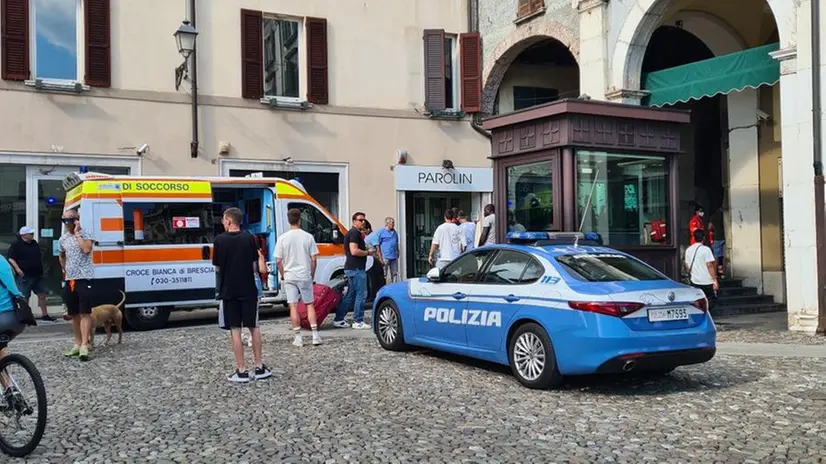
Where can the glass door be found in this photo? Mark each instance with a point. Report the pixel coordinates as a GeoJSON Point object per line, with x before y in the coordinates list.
{"type": "Point", "coordinates": [50, 201]}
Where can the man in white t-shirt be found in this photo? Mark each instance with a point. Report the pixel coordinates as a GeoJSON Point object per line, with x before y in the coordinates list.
{"type": "Point", "coordinates": [702, 266]}
{"type": "Point", "coordinates": [450, 241]}
{"type": "Point", "coordinates": [295, 254]}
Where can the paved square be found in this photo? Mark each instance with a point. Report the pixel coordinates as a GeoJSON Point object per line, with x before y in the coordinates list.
{"type": "Point", "coordinates": [162, 396]}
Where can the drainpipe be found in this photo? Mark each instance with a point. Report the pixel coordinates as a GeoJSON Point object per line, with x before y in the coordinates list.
{"type": "Point", "coordinates": [193, 146]}
{"type": "Point", "coordinates": [820, 203]}
{"type": "Point", "coordinates": [473, 26]}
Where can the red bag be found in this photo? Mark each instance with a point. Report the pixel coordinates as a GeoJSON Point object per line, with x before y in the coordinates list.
{"type": "Point", "coordinates": [325, 300]}
{"type": "Point", "coordinates": [658, 231]}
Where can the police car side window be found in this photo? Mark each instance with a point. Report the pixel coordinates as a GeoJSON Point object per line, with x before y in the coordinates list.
{"type": "Point", "coordinates": [466, 269]}
{"type": "Point", "coordinates": [512, 268]}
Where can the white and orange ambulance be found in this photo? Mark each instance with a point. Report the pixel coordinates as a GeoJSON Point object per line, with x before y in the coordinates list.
{"type": "Point", "coordinates": [153, 235]}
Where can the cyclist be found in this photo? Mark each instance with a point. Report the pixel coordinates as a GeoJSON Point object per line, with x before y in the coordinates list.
{"type": "Point", "coordinates": [8, 319]}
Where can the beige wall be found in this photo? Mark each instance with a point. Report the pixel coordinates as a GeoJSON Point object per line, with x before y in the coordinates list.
{"type": "Point", "coordinates": [564, 79]}
{"type": "Point", "coordinates": [375, 48]}
{"type": "Point", "coordinates": [376, 88]}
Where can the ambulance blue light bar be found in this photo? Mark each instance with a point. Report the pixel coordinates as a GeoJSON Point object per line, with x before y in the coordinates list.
{"type": "Point", "coordinates": [554, 238]}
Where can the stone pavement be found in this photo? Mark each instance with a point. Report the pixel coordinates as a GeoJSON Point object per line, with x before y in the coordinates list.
{"type": "Point", "coordinates": [162, 397]}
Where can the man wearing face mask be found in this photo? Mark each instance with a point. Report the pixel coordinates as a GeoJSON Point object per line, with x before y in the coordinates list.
{"type": "Point", "coordinates": [696, 223]}
{"type": "Point", "coordinates": [78, 271]}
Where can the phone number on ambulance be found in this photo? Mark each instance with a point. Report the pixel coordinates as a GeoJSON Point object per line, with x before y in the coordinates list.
{"type": "Point", "coordinates": [169, 280]}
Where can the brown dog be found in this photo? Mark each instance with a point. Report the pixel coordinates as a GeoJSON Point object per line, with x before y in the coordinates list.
{"type": "Point", "coordinates": [106, 316]}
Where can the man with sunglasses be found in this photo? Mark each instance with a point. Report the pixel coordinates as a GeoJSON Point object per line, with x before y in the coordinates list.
{"type": "Point", "coordinates": [355, 265]}
{"type": "Point", "coordinates": [75, 247]}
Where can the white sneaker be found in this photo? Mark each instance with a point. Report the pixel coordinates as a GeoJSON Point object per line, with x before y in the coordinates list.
{"type": "Point", "coordinates": [340, 324]}
{"type": "Point", "coordinates": [316, 339]}
{"type": "Point", "coordinates": [361, 325]}
{"type": "Point", "coordinates": [298, 341]}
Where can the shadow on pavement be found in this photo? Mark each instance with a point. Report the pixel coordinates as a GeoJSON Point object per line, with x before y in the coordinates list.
{"type": "Point", "coordinates": [697, 377]}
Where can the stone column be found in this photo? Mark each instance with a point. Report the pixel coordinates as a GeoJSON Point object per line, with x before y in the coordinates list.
{"type": "Point", "coordinates": [593, 48]}
{"type": "Point", "coordinates": [744, 188]}
{"type": "Point", "coordinates": [798, 189]}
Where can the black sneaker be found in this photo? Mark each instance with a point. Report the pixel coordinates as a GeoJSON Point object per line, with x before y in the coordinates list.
{"type": "Point", "coordinates": [262, 372]}
{"type": "Point", "coordinates": [47, 318]}
{"type": "Point", "coordinates": [239, 377]}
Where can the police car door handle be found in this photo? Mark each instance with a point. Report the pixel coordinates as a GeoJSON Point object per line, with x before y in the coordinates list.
{"type": "Point", "coordinates": [459, 296]}
{"type": "Point", "coordinates": [511, 298]}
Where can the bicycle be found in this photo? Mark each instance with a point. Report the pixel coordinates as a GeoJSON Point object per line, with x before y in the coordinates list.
{"type": "Point", "coordinates": [15, 408]}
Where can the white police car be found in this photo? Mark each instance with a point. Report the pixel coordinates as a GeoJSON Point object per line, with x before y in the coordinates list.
{"type": "Point", "coordinates": [550, 305]}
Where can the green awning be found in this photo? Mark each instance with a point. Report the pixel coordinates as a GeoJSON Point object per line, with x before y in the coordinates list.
{"type": "Point", "coordinates": [719, 75]}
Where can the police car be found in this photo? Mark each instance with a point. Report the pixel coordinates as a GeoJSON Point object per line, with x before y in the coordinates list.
{"type": "Point", "coordinates": [550, 305]}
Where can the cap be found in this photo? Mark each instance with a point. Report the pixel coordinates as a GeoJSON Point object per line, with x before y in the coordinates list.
{"type": "Point", "coordinates": [26, 230]}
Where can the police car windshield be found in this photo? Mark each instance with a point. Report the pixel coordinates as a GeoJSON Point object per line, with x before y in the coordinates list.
{"type": "Point", "coordinates": [607, 267]}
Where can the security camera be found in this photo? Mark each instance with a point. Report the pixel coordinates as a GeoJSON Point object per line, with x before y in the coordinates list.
{"type": "Point", "coordinates": [762, 116]}
{"type": "Point", "coordinates": [144, 149]}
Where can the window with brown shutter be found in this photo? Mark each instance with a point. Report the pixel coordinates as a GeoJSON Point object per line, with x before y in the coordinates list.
{"type": "Point", "coordinates": [14, 39]}
{"type": "Point", "coordinates": [252, 51]}
{"type": "Point", "coordinates": [97, 27]}
{"type": "Point", "coordinates": [471, 72]}
{"type": "Point", "coordinates": [317, 80]}
{"type": "Point", "coordinates": [525, 8]}
{"type": "Point", "coordinates": [435, 98]}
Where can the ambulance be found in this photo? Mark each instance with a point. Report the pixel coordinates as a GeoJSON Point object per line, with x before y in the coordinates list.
{"type": "Point", "coordinates": [153, 236]}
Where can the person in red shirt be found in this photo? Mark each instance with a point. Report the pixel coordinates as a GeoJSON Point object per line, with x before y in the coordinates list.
{"type": "Point", "coordinates": [697, 223]}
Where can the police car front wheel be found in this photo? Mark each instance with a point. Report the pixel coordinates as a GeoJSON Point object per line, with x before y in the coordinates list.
{"type": "Point", "coordinates": [532, 357]}
{"type": "Point", "coordinates": [389, 327]}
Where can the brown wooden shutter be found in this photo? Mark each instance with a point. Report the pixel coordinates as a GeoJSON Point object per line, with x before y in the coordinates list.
{"type": "Point", "coordinates": [537, 5]}
{"type": "Point", "coordinates": [14, 39]}
{"type": "Point", "coordinates": [434, 70]}
{"type": "Point", "coordinates": [97, 26]}
{"type": "Point", "coordinates": [471, 71]}
{"type": "Point", "coordinates": [523, 8]}
{"type": "Point", "coordinates": [317, 78]}
{"type": "Point", "coordinates": [252, 54]}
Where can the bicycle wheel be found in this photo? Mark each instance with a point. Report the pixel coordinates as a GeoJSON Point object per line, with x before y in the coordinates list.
{"type": "Point", "coordinates": [22, 411]}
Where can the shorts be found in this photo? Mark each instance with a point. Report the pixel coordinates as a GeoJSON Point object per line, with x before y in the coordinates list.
{"type": "Point", "coordinates": [77, 296]}
{"type": "Point", "coordinates": [29, 285]}
{"type": "Point", "coordinates": [235, 314]}
{"type": "Point", "coordinates": [302, 290]}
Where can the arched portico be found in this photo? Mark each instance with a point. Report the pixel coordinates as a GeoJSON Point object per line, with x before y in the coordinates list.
{"type": "Point", "coordinates": [512, 46]}
{"type": "Point", "coordinates": [647, 15]}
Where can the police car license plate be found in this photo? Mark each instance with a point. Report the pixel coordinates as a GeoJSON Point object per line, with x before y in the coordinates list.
{"type": "Point", "coordinates": [667, 314]}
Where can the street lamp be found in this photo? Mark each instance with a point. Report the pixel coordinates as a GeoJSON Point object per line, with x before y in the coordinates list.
{"type": "Point", "coordinates": [185, 38]}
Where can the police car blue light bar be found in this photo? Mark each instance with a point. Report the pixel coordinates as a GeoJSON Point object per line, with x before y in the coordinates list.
{"type": "Point", "coordinates": [554, 238]}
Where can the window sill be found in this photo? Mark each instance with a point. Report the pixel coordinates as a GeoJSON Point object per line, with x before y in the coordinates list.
{"type": "Point", "coordinates": [529, 16]}
{"type": "Point", "coordinates": [57, 85]}
{"type": "Point", "coordinates": [286, 103]}
{"type": "Point", "coordinates": [448, 114]}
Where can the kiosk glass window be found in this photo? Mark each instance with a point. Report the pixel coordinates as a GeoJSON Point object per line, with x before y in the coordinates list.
{"type": "Point", "coordinates": [530, 197]}
{"type": "Point", "coordinates": [620, 195]}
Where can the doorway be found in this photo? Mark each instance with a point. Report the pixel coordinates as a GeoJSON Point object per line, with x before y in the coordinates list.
{"type": "Point", "coordinates": [424, 213]}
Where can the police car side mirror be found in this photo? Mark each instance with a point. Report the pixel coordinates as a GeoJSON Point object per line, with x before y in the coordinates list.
{"type": "Point", "coordinates": [434, 275]}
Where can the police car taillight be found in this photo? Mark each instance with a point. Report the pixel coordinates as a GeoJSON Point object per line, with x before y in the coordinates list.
{"type": "Point", "coordinates": [701, 304]}
{"type": "Point", "coordinates": [607, 308]}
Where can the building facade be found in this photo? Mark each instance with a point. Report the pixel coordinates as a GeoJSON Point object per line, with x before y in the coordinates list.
{"type": "Point", "coordinates": [743, 69]}
{"type": "Point", "coordinates": [336, 94]}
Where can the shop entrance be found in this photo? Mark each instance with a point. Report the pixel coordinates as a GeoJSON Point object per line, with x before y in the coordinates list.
{"type": "Point", "coordinates": [425, 212]}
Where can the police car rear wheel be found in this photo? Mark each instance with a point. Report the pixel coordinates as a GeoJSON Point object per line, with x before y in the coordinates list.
{"type": "Point", "coordinates": [389, 327]}
{"type": "Point", "coordinates": [532, 357]}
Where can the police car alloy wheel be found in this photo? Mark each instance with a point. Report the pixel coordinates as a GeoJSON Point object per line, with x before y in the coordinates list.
{"type": "Point", "coordinates": [532, 357]}
{"type": "Point", "coordinates": [389, 327]}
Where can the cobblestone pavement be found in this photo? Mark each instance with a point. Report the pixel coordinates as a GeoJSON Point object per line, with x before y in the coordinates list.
{"type": "Point", "coordinates": [726, 333]}
{"type": "Point", "coordinates": [162, 397]}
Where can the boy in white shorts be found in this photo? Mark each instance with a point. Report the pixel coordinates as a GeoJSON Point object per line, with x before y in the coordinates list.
{"type": "Point", "coordinates": [295, 254]}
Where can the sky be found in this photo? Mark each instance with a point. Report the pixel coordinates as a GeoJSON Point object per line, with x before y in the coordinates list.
{"type": "Point", "coordinates": [56, 39]}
